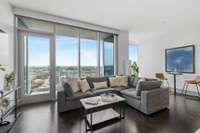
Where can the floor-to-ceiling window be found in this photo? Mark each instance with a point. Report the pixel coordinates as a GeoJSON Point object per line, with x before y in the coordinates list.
{"type": "Point", "coordinates": [49, 52]}
{"type": "Point", "coordinates": [35, 56]}
{"type": "Point", "coordinates": [133, 53]}
{"type": "Point", "coordinates": [66, 52]}
{"type": "Point", "coordinates": [88, 53]}
{"type": "Point", "coordinates": [37, 64]}
{"type": "Point", "coordinates": [106, 54]}
{"type": "Point", "coordinates": [133, 57]}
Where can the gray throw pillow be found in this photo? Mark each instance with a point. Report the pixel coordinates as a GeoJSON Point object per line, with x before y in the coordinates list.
{"type": "Point", "coordinates": [148, 85]}
{"type": "Point", "coordinates": [67, 88]}
{"type": "Point", "coordinates": [133, 81]}
{"type": "Point", "coordinates": [139, 86]}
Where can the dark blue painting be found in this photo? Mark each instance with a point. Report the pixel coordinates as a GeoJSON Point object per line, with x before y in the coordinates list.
{"type": "Point", "coordinates": [180, 59]}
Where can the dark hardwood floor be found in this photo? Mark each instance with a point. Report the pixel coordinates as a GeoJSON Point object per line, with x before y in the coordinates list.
{"type": "Point", "coordinates": [183, 116]}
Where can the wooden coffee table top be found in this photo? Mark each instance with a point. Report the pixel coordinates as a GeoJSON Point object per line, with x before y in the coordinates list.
{"type": "Point", "coordinates": [87, 106]}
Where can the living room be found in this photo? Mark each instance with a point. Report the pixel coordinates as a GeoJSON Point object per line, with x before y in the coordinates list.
{"type": "Point", "coordinates": [82, 66]}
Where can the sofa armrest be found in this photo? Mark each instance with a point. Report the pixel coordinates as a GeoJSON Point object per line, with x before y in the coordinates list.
{"type": "Point", "coordinates": [154, 100]}
{"type": "Point", "coordinates": [60, 98]}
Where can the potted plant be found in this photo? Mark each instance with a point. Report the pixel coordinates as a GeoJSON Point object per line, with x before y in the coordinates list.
{"type": "Point", "coordinates": [135, 69]}
{"type": "Point", "coordinates": [9, 78]}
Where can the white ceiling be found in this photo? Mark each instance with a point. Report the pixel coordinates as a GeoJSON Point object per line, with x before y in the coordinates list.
{"type": "Point", "coordinates": [142, 17]}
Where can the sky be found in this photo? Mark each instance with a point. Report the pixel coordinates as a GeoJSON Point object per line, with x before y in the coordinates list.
{"type": "Point", "coordinates": [66, 51]}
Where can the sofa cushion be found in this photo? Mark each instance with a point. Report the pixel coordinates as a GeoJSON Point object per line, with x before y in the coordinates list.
{"type": "Point", "coordinates": [120, 88]}
{"type": "Point", "coordinates": [73, 82]}
{"type": "Point", "coordinates": [96, 79]}
{"type": "Point", "coordinates": [100, 85]}
{"type": "Point", "coordinates": [100, 91]}
{"type": "Point", "coordinates": [131, 93]}
{"type": "Point", "coordinates": [67, 88]}
{"type": "Point", "coordinates": [147, 85]}
{"type": "Point", "coordinates": [79, 95]}
{"type": "Point", "coordinates": [84, 86]}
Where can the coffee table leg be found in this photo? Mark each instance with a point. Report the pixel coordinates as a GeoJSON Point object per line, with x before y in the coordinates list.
{"type": "Point", "coordinates": [123, 110]}
{"type": "Point", "coordinates": [120, 111]}
{"type": "Point", "coordinates": [85, 118]}
{"type": "Point", "coordinates": [91, 122]}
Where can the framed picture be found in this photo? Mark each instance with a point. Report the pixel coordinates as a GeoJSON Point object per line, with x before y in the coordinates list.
{"type": "Point", "coordinates": [180, 59]}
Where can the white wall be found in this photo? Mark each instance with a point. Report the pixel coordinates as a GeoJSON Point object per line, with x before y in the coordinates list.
{"type": "Point", "coordinates": [152, 51]}
{"type": "Point", "coordinates": [6, 39]}
{"type": "Point", "coordinates": [123, 42]}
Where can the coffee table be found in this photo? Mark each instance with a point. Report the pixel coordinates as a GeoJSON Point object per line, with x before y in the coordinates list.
{"type": "Point", "coordinates": [103, 113]}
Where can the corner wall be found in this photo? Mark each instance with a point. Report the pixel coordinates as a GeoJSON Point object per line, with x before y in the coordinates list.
{"type": "Point", "coordinates": [123, 42]}
{"type": "Point", "coordinates": [6, 39]}
{"type": "Point", "coordinates": [152, 52]}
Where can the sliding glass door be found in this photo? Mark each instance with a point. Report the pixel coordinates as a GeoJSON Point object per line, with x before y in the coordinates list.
{"type": "Point", "coordinates": [106, 54]}
{"type": "Point", "coordinates": [37, 64]}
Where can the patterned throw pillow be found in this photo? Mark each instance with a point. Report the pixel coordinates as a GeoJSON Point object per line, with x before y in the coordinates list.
{"type": "Point", "coordinates": [84, 86]}
{"type": "Point", "coordinates": [73, 82]}
{"type": "Point", "coordinates": [123, 80]}
{"type": "Point", "coordinates": [100, 85]}
{"type": "Point", "coordinates": [115, 81]}
{"type": "Point", "coordinates": [67, 88]}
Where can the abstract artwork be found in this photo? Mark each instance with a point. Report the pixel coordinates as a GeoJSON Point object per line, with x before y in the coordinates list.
{"type": "Point", "coordinates": [180, 59]}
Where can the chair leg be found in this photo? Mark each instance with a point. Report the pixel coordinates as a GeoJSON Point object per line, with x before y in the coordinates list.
{"type": "Point", "coordinates": [198, 89]}
{"type": "Point", "coordinates": [167, 83]}
{"type": "Point", "coordinates": [162, 83]}
{"type": "Point", "coordinates": [183, 88]}
{"type": "Point", "coordinates": [186, 89]}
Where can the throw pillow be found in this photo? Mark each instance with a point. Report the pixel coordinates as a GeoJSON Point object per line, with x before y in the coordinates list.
{"type": "Point", "coordinates": [67, 88]}
{"type": "Point", "coordinates": [136, 80]}
{"type": "Point", "coordinates": [96, 79]}
{"type": "Point", "coordinates": [100, 85]}
{"type": "Point", "coordinates": [114, 81]}
{"type": "Point", "coordinates": [84, 86]}
{"type": "Point", "coordinates": [139, 86]}
{"type": "Point", "coordinates": [123, 80]}
{"type": "Point", "coordinates": [131, 80]}
{"type": "Point", "coordinates": [149, 85]}
{"type": "Point", "coordinates": [73, 82]}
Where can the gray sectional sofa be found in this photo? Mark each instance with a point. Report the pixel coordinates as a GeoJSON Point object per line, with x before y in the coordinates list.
{"type": "Point", "coordinates": [146, 96]}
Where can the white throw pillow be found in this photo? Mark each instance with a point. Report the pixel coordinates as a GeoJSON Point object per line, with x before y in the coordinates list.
{"type": "Point", "coordinates": [84, 86]}
{"type": "Point", "coordinates": [100, 85]}
{"type": "Point", "coordinates": [114, 81]}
